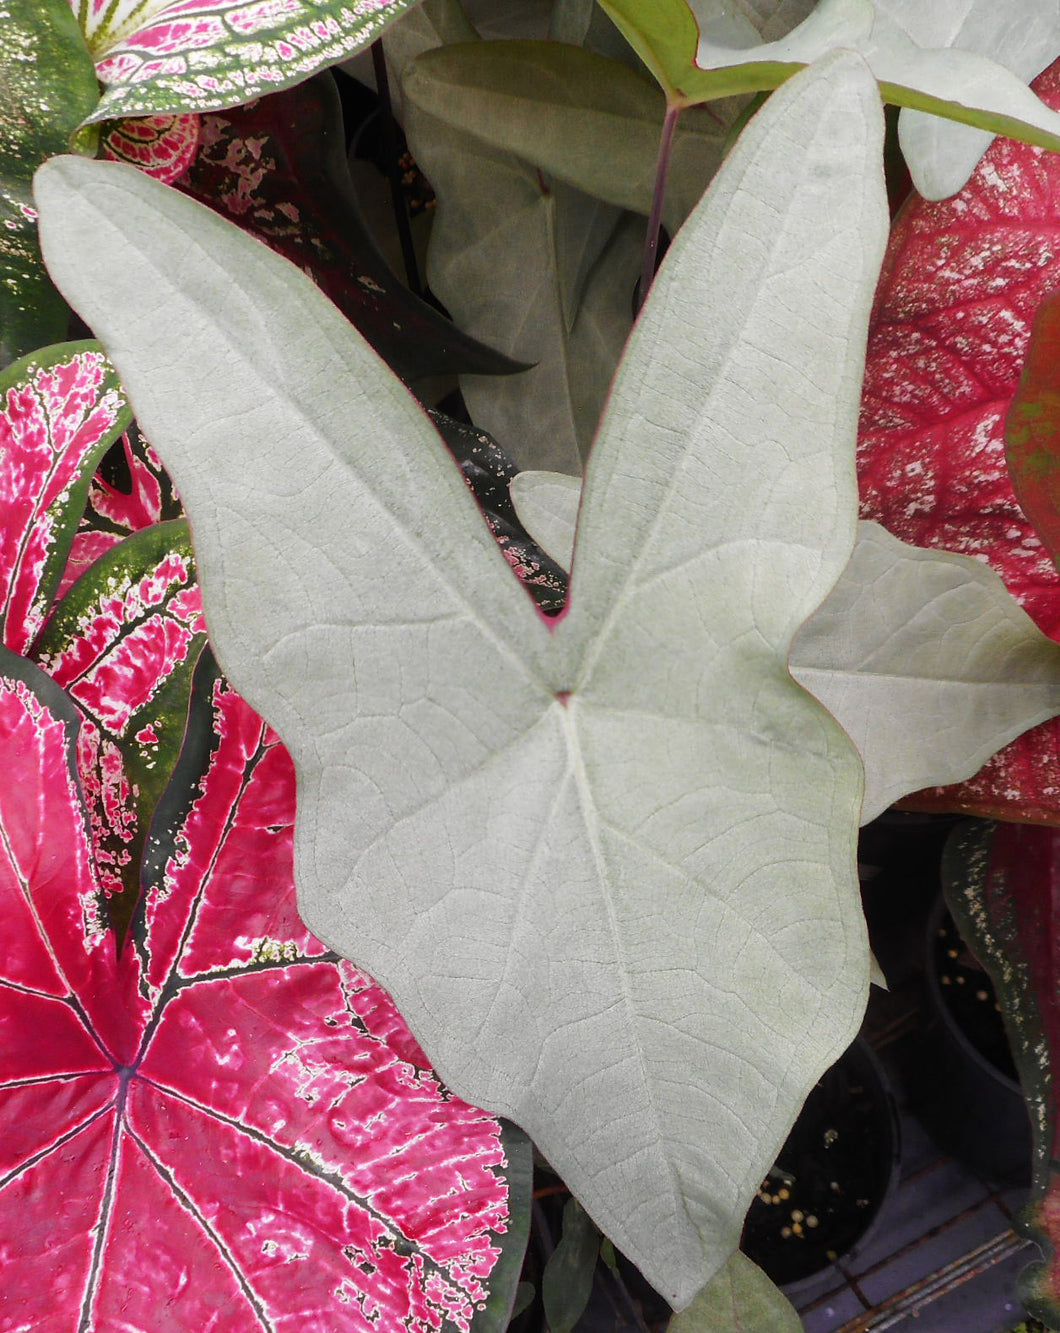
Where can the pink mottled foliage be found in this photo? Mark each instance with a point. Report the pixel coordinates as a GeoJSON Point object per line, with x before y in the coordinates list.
{"type": "Point", "coordinates": [224, 1127]}
{"type": "Point", "coordinates": [58, 410]}
{"type": "Point", "coordinates": [161, 146]}
{"type": "Point", "coordinates": [960, 285]}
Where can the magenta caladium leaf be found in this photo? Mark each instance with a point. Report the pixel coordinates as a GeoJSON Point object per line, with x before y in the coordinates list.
{"type": "Point", "coordinates": [59, 411]}
{"type": "Point", "coordinates": [163, 146]}
{"type": "Point", "coordinates": [47, 87]}
{"type": "Point", "coordinates": [159, 56]}
{"type": "Point", "coordinates": [277, 168]}
{"type": "Point", "coordinates": [223, 1126]}
{"type": "Point", "coordinates": [124, 642]}
{"type": "Point", "coordinates": [960, 285]}
{"type": "Point", "coordinates": [1002, 884]}
{"type": "Point", "coordinates": [129, 491]}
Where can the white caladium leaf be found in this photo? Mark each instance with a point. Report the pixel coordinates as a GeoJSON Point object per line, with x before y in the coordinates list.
{"type": "Point", "coordinates": [937, 65]}
{"type": "Point", "coordinates": [910, 644]}
{"type": "Point", "coordinates": [928, 663]}
{"type": "Point", "coordinates": [1022, 35]}
{"type": "Point", "coordinates": [604, 863]}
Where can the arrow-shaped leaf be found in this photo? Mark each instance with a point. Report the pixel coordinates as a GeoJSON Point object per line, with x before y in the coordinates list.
{"type": "Point", "coordinates": [606, 866]}
{"type": "Point", "coordinates": [947, 81]}
{"type": "Point", "coordinates": [910, 643]}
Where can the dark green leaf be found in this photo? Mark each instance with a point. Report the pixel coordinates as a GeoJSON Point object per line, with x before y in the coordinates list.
{"type": "Point", "coordinates": [568, 1277]}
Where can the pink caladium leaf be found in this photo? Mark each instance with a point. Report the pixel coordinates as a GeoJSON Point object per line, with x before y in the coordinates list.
{"type": "Point", "coordinates": [224, 1126]}
{"type": "Point", "coordinates": [163, 146]}
{"type": "Point", "coordinates": [277, 169]}
{"type": "Point", "coordinates": [960, 285]}
{"type": "Point", "coordinates": [129, 491]}
{"type": "Point", "coordinates": [124, 642]}
{"type": "Point", "coordinates": [1002, 885]}
{"type": "Point", "coordinates": [61, 408]}
{"type": "Point", "coordinates": [156, 57]}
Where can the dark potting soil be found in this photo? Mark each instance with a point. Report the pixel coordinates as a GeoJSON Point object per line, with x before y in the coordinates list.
{"type": "Point", "coordinates": [968, 995]}
{"type": "Point", "coordinates": [830, 1178]}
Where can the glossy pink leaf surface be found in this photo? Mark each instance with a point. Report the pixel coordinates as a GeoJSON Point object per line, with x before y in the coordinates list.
{"type": "Point", "coordinates": [59, 410]}
{"type": "Point", "coordinates": [123, 642]}
{"type": "Point", "coordinates": [162, 146]}
{"type": "Point", "coordinates": [960, 285]}
{"type": "Point", "coordinates": [224, 1128]}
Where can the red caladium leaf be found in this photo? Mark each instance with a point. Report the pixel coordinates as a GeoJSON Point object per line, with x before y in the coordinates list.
{"type": "Point", "coordinates": [277, 168]}
{"type": "Point", "coordinates": [1032, 428]}
{"type": "Point", "coordinates": [1003, 888]}
{"type": "Point", "coordinates": [163, 146]}
{"type": "Point", "coordinates": [959, 288]}
{"type": "Point", "coordinates": [124, 642]}
{"type": "Point", "coordinates": [224, 1126]}
{"type": "Point", "coordinates": [61, 408]}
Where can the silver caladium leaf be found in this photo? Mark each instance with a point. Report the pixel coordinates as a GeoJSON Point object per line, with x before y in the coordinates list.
{"type": "Point", "coordinates": [923, 657]}
{"type": "Point", "coordinates": [928, 662]}
{"type": "Point", "coordinates": [605, 864]}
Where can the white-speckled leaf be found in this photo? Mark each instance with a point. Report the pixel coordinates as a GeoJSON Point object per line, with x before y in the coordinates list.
{"type": "Point", "coordinates": [606, 865]}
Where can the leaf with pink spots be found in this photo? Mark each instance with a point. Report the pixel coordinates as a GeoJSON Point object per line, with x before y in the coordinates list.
{"type": "Point", "coordinates": [124, 642]}
{"type": "Point", "coordinates": [222, 1127]}
{"type": "Point", "coordinates": [59, 411]}
{"type": "Point", "coordinates": [162, 146]}
{"type": "Point", "coordinates": [156, 57]}
{"type": "Point", "coordinates": [960, 285]}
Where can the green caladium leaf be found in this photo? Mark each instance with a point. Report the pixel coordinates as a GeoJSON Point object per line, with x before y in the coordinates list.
{"type": "Point", "coordinates": [739, 1299]}
{"type": "Point", "coordinates": [494, 807]}
{"type": "Point", "coordinates": [155, 57]}
{"type": "Point", "coordinates": [910, 643]}
{"type": "Point", "coordinates": [959, 84]}
{"type": "Point", "coordinates": [567, 1280]}
{"type": "Point", "coordinates": [47, 87]}
{"type": "Point", "coordinates": [1022, 35]}
{"type": "Point", "coordinates": [587, 120]}
{"type": "Point", "coordinates": [573, 256]}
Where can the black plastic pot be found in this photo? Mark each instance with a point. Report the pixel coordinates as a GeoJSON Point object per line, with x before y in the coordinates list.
{"type": "Point", "coordinates": [965, 1088]}
{"type": "Point", "coordinates": [833, 1174]}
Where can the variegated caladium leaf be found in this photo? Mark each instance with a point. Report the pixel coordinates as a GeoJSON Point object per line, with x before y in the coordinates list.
{"type": "Point", "coordinates": [223, 1125]}
{"type": "Point", "coordinates": [59, 411]}
{"type": "Point", "coordinates": [156, 57]}
{"type": "Point", "coordinates": [124, 642]}
{"type": "Point", "coordinates": [47, 87]}
{"type": "Point", "coordinates": [130, 490]}
{"type": "Point", "coordinates": [277, 168]}
{"type": "Point", "coordinates": [1002, 884]}
{"type": "Point", "coordinates": [163, 146]}
{"type": "Point", "coordinates": [909, 643]}
{"type": "Point", "coordinates": [492, 805]}
{"type": "Point", "coordinates": [960, 286]}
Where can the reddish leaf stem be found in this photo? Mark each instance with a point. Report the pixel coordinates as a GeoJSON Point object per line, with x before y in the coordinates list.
{"type": "Point", "coordinates": [662, 167]}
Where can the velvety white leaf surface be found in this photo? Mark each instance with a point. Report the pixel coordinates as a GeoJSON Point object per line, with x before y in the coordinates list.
{"type": "Point", "coordinates": [606, 865]}
{"type": "Point", "coordinates": [911, 643]}
{"type": "Point", "coordinates": [927, 662]}
{"type": "Point", "coordinates": [942, 59]}
{"type": "Point", "coordinates": [1022, 35]}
